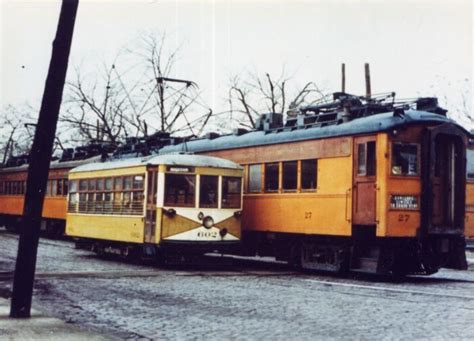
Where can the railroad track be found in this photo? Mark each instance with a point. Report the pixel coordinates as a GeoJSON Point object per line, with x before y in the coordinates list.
{"type": "Point", "coordinates": [385, 289]}
{"type": "Point", "coordinates": [8, 275]}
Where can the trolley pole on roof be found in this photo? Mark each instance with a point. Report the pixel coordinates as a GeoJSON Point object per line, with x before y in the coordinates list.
{"type": "Point", "coordinates": [368, 91]}
{"type": "Point", "coordinates": [343, 75]}
{"type": "Point", "coordinates": [40, 157]}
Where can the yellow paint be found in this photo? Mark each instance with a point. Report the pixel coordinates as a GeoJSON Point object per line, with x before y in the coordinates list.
{"type": "Point", "coordinates": [326, 211]}
{"type": "Point", "coordinates": [469, 221]}
{"type": "Point", "coordinates": [108, 173]}
{"type": "Point", "coordinates": [403, 223]}
{"type": "Point", "coordinates": [394, 223]}
{"type": "Point", "coordinates": [53, 207]}
{"type": "Point", "coordinates": [334, 175]}
{"type": "Point", "coordinates": [232, 225]}
{"type": "Point", "coordinates": [159, 223]}
{"type": "Point", "coordinates": [107, 227]}
{"type": "Point", "coordinates": [11, 204]}
{"type": "Point", "coordinates": [297, 213]}
{"type": "Point", "coordinates": [176, 224]}
{"type": "Point", "coordinates": [204, 171]}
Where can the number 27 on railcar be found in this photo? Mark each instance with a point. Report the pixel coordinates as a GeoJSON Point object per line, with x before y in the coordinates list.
{"type": "Point", "coordinates": [155, 206]}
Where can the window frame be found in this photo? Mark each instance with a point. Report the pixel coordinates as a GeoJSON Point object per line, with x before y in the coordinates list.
{"type": "Point", "coordinates": [278, 172]}
{"type": "Point", "coordinates": [303, 190]}
{"type": "Point", "coordinates": [216, 178]}
{"type": "Point", "coordinates": [418, 159]}
{"type": "Point", "coordinates": [259, 177]}
{"type": "Point", "coordinates": [469, 179]}
{"type": "Point", "coordinates": [167, 203]}
{"type": "Point", "coordinates": [289, 190]}
{"type": "Point", "coordinates": [95, 202]}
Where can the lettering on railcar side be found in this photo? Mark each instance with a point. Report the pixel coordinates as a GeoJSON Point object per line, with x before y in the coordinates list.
{"type": "Point", "coordinates": [403, 218]}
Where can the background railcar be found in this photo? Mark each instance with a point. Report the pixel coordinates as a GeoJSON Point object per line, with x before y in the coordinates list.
{"type": "Point", "coordinates": [157, 205]}
{"type": "Point", "coordinates": [12, 195]}
{"type": "Point", "coordinates": [470, 193]}
{"type": "Point", "coordinates": [357, 184]}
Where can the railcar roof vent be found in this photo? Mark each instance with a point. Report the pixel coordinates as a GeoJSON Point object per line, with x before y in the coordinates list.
{"type": "Point", "coordinates": [211, 136]}
{"type": "Point", "coordinates": [16, 161]}
{"type": "Point", "coordinates": [269, 121]}
{"type": "Point", "coordinates": [239, 131]}
{"type": "Point", "coordinates": [143, 145]}
{"type": "Point", "coordinates": [430, 104]}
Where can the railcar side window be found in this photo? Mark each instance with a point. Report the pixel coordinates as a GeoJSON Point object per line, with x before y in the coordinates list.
{"type": "Point", "coordinates": [255, 178]}
{"type": "Point", "coordinates": [65, 187]}
{"type": "Point", "coordinates": [82, 202]}
{"type": "Point", "coordinates": [290, 175]}
{"type": "Point", "coordinates": [108, 184]}
{"type": "Point", "coordinates": [231, 192]}
{"type": "Point", "coordinates": [100, 184]}
{"type": "Point", "coordinates": [127, 182]}
{"type": "Point", "coordinates": [83, 185]}
{"type": "Point", "coordinates": [72, 204]}
{"type": "Point", "coordinates": [309, 174]}
{"type": "Point", "coordinates": [404, 159]}
{"type": "Point", "coordinates": [59, 187]}
{"type": "Point", "coordinates": [208, 191]}
{"type": "Point", "coordinates": [271, 177]}
{"type": "Point", "coordinates": [366, 159]}
{"type": "Point", "coordinates": [470, 164]}
{"type": "Point", "coordinates": [48, 188]}
{"type": "Point", "coordinates": [108, 202]}
{"type": "Point", "coordinates": [117, 184]}
{"type": "Point", "coordinates": [138, 181]}
{"type": "Point", "coordinates": [106, 196]}
{"type": "Point", "coordinates": [180, 190]}
{"type": "Point", "coordinates": [92, 184]}
{"type": "Point", "coordinates": [73, 186]}
{"type": "Point", "coordinates": [361, 158]}
{"type": "Point", "coordinates": [371, 158]}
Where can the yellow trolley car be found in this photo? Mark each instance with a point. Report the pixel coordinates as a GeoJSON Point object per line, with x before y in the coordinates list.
{"type": "Point", "coordinates": [157, 205]}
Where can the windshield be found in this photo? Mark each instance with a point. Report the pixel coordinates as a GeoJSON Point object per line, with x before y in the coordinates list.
{"type": "Point", "coordinates": [208, 191]}
{"type": "Point", "coordinates": [180, 190]}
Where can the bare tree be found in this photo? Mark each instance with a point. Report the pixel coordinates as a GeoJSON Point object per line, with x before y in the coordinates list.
{"type": "Point", "coordinates": [136, 94]}
{"type": "Point", "coordinates": [15, 136]}
{"type": "Point", "coordinates": [97, 108]}
{"type": "Point", "coordinates": [256, 94]}
{"type": "Point", "coordinates": [456, 96]}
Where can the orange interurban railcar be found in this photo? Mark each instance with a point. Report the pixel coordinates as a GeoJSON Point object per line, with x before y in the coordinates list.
{"type": "Point", "coordinates": [360, 184]}
{"type": "Point", "coordinates": [12, 195]}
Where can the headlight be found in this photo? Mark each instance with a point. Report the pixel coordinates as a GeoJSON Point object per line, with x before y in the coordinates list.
{"type": "Point", "coordinates": [208, 222]}
{"type": "Point", "coordinates": [404, 202]}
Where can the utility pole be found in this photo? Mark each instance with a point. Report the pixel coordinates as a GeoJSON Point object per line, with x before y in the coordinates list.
{"type": "Point", "coordinates": [38, 168]}
{"type": "Point", "coordinates": [343, 74]}
{"type": "Point", "coordinates": [368, 91]}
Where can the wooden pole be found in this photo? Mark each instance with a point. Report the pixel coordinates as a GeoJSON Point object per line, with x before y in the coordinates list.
{"type": "Point", "coordinates": [38, 168]}
{"type": "Point", "coordinates": [343, 73]}
{"type": "Point", "coordinates": [368, 91]}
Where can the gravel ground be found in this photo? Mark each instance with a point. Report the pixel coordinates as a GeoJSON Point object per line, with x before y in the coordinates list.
{"type": "Point", "coordinates": [232, 299]}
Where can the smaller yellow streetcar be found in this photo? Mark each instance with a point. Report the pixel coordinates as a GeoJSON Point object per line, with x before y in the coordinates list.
{"type": "Point", "coordinates": [175, 204]}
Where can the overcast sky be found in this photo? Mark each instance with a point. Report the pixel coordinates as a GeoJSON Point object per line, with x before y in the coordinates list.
{"type": "Point", "coordinates": [415, 48]}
